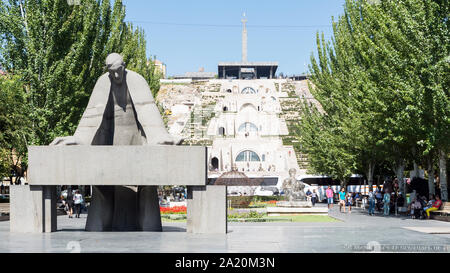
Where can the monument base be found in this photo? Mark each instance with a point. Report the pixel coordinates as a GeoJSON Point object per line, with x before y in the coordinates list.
{"type": "Point", "coordinates": [207, 209]}
{"type": "Point", "coordinates": [124, 208]}
{"type": "Point", "coordinates": [32, 208]}
{"type": "Point", "coordinates": [296, 204]}
{"type": "Point", "coordinates": [295, 208]}
{"type": "Point", "coordinates": [279, 211]}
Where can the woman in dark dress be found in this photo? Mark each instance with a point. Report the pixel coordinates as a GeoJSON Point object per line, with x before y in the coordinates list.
{"type": "Point", "coordinates": [70, 202]}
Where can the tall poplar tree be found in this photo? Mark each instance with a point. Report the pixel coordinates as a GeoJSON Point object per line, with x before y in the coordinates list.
{"type": "Point", "coordinates": [383, 81]}
{"type": "Point", "coordinates": [57, 51]}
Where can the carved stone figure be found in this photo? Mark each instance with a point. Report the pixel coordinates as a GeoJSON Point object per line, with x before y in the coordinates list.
{"type": "Point", "coordinates": [293, 188]}
{"type": "Point", "coordinates": [121, 111]}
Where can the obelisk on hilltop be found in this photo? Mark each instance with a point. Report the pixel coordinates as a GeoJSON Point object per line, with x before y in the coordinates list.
{"type": "Point", "coordinates": [244, 39]}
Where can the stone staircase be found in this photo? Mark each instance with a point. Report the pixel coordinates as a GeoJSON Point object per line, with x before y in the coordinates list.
{"type": "Point", "coordinates": [195, 131]}
{"type": "Point", "coordinates": [290, 107]}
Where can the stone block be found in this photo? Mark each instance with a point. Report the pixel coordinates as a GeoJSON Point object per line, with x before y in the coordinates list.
{"type": "Point", "coordinates": [117, 165]}
{"type": "Point", "coordinates": [277, 211]}
{"type": "Point", "coordinates": [32, 209]}
{"type": "Point", "coordinates": [298, 204]}
{"type": "Point", "coordinates": [207, 209]}
{"type": "Point", "coordinates": [50, 212]}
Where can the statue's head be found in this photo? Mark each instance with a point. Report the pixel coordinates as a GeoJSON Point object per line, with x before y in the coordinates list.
{"type": "Point", "coordinates": [116, 67]}
{"type": "Point", "coordinates": [292, 172]}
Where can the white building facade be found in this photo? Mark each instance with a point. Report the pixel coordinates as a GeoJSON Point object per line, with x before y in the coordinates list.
{"type": "Point", "coordinates": [246, 131]}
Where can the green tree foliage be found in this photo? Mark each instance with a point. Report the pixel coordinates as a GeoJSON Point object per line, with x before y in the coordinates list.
{"type": "Point", "coordinates": [382, 82]}
{"type": "Point", "coordinates": [15, 126]}
{"type": "Point", "coordinates": [59, 50]}
{"type": "Point", "coordinates": [134, 55]}
{"type": "Point", "coordinates": [325, 144]}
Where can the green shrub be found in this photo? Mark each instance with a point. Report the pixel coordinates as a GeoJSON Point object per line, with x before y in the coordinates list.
{"type": "Point", "coordinates": [244, 201]}
{"type": "Point", "coordinates": [268, 198]}
{"type": "Point", "coordinates": [254, 214]}
{"type": "Point", "coordinates": [240, 201]}
{"type": "Point", "coordinates": [251, 214]}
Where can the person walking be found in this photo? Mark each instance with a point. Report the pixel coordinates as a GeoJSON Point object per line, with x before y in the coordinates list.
{"type": "Point", "coordinates": [349, 202]}
{"type": "Point", "coordinates": [308, 195]}
{"type": "Point", "coordinates": [330, 193]}
{"type": "Point", "coordinates": [342, 195]}
{"type": "Point", "coordinates": [357, 198]}
{"type": "Point", "coordinates": [314, 197]}
{"type": "Point", "coordinates": [386, 201]}
{"type": "Point", "coordinates": [416, 208]}
{"type": "Point", "coordinates": [69, 202]}
{"type": "Point", "coordinates": [77, 200]}
{"type": "Point", "coordinates": [378, 198]}
{"type": "Point", "coordinates": [371, 202]}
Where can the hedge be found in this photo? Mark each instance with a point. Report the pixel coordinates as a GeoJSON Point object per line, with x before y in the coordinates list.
{"type": "Point", "coordinates": [244, 201]}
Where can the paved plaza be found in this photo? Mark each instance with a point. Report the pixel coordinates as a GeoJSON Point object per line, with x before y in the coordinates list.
{"type": "Point", "coordinates": [354, 233]}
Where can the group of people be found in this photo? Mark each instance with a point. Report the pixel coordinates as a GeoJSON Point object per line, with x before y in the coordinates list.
{"type": "Point", "coordinates": [385, 201]}
{"type": "Point", "coordinates": [312, 196]}
{"type": "Point", "coordinates": [346, 199]}
{"type": "Point", "coordinates": [382, 201]}
{"type": "Point", "coordinates": [420, 206]}
{"type": "Point", "coordinates": [167, 198]}
{"type": "Point", "coordinates": [73, 202]}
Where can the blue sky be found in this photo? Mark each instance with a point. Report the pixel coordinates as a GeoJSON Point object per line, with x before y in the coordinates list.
{"type": "Point", "coordinates": [187, 35]}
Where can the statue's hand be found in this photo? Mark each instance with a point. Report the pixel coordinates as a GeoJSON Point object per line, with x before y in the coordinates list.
{"type": "Point", "coordinates": [68, 140]}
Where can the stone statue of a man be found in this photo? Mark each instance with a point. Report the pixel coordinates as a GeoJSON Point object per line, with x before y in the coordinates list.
{"type": "Point", "coordinates": [121, 111]}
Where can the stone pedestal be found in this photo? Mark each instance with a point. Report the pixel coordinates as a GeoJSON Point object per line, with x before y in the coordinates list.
{"type": "Point", "coordinates": [105, 165]}
{"type": "Point", "coordinates": [116, 206]}
{"type": "Point", "coordinates": [296, 204]}
{"type": "Point", "coordinates": [32, 208]}
{"type": "Point", "coordinates": [50, 213]}
{"type": "Point", "coordinates": [207, 209]}
{"type": "Point", "coordinates": [295, 207]}
{"type": "Point", "coordinates": [280, 211]}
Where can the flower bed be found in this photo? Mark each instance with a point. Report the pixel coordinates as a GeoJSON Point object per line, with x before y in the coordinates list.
{"type": "Point", "coordinates": [173, 210]}
{"type": "Point", "coordinates": [262, 204]}
{"type": "Point", "coordinates": [254, 201]}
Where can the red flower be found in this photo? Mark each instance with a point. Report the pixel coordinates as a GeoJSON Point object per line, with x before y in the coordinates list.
{"type": "Point", "coordinates": [173, 210]}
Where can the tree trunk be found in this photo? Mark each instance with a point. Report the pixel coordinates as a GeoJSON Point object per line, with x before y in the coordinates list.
{"type": "Point", "coordinates": [416, 170]}
{"type": "Point", "coordinates": [430, 176]}
{"type": "Point", "coordinates": [399, 169]}
{"type": "Point", "coordinates": [369, 174]}
{"type": "Point", "coordinates": [343, 183]}
{"type": "Point", "coordinates": [443, 175]}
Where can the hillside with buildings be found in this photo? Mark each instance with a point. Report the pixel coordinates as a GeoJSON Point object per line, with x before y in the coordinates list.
{"type": "Point", "coordinates": [246, 124]}
{"type": "Point", "coordinates": [244, 114]}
